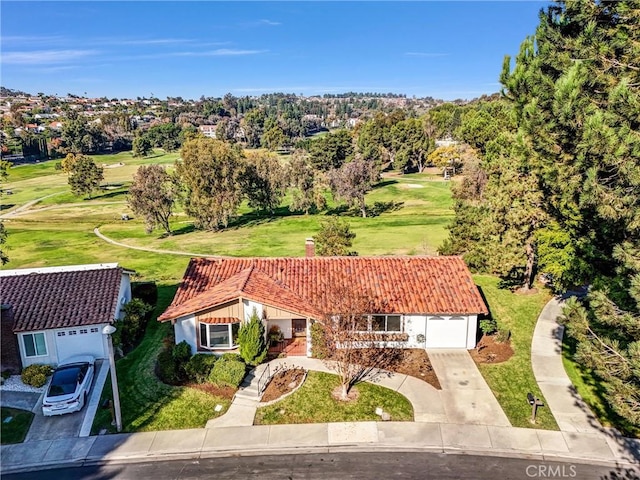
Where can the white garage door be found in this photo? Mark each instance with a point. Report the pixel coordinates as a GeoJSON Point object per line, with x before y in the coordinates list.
{"type": "Point", "coordinates": [446, 332]}
{"type": "Point", "coordinates": [79, 341]}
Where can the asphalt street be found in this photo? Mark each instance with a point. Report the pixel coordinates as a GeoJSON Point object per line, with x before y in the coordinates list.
{"type": "Point", "coordinates": [343, 466]}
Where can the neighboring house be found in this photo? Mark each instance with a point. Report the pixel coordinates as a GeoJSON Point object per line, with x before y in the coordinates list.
{"type": "Point", "coordinates": [426, 302]}
{"type": "Point", "coordinates": [58, 312]}
{"type": "Point", "coordinates": [208, 130]}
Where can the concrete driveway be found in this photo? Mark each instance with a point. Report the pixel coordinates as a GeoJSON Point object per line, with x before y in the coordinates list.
{"type": "Point", "coordinates": [465, 395]}
{"type": "Point", "coordinates": [61, 426]}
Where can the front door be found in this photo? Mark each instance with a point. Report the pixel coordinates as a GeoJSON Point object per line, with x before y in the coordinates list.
{"type": "Point", "coordinates": [299, 327]}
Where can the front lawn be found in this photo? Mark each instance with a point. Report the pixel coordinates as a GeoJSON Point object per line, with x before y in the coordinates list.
{"type": "Point", "coordinates": [510, 381]}
{"type": "Point", "coordinates": [16, 429]}
{"type": "Point", "coordinates": [313, 403]}
{"type": "Point", "coordinates": [148, 404]}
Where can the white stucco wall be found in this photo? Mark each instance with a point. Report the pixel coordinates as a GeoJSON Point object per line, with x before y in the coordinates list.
{"type": "Point", "coordinates": [472, 331]}
{"type": "Point", "coordinates": [249, 305]}
{"type": "Point", "coordinates": [124, 295]}
{"type": "Point", "coordinates": [185, 329]}
{"type": "Point", "coordinates": [414, 325]}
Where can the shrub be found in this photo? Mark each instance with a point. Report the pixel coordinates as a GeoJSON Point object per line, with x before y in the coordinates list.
{"type": "Point", "coordinates": [227, 357]}
{"type": "Point", "coordinates": [227, 373]}
{"type": "Point", "coordinates": [198, 368]}
{"type": "Point", "coordinates": [145, 291]}
{"type": "Point", "coordinates": [36, 374]}
{"type": "Point", "coordinates": [503, 335]}
{"type": "Point", "coordinates": [182, 352]}
{"type": "Point", "coordinates": [253, 347]}
{"type": "Point", "coordinates": [130, 329]}
{"type": "Point", "coordinates": [6, 374]}
{"type": "Point", "coordinates": [488, 326]}
{"type": "Point", "coordinates": [172, 360]}
{"type": "Point", "coordinates": [318, 341]}
{"type": "Point", "coordinates": [167, 368]}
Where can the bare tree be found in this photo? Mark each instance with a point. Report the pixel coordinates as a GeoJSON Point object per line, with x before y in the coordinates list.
{"type": "Point", "coordinates": [351, 348]}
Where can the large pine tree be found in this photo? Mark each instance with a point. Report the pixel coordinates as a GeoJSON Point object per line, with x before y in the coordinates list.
{"type": "Point", "coordinates": [576, 90]}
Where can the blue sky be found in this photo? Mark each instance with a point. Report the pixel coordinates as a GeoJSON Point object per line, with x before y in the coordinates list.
{"type": "Point", "coordinates": [446, 50]}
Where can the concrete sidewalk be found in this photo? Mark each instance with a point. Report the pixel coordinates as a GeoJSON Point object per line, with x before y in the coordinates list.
{"type": "Point", "coordinates": [569, 410]}
{"type": "Point", "coordinates": [323, 437]}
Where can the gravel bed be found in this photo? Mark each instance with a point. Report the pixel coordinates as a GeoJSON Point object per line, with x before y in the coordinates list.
{"type": "Point", "coordinates": [14, 384]}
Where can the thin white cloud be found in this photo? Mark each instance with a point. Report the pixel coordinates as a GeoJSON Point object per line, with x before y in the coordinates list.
{"type": "Point", "coordinates": [142, 41]}
{"type": "Point", "coordinates": [31, 39]}
{"type": "Point", "coordinates": [425, 54]}
{"type": "Point", "coordinates": [219, 52]}
{"type": "Point", "coordinates": [261, 23]}
{"type": "Point", "coordinates": [44, 57]}
{"type": "Point", "coordinates": [270, 23]}
{"type": "Point", "coordinates": [54, 69]}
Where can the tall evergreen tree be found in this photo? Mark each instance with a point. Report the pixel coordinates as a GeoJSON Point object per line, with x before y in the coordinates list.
{"type": "Point", "coordinates": [576, 90]}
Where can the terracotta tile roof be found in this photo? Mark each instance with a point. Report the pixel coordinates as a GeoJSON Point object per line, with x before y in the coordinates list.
{"type": "Point", "coordinates": [215, 320]}
{"type": "Point", "coordinates": [61, 299]}
{"type": "Point", "coordinates": [249, 283]}
{"type": "Point", "coordinates": [410, 284]}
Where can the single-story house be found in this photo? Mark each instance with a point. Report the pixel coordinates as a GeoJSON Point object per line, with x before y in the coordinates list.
{"type": "Point", "coordinates": [427, 302]}
{"type": "Point", "coordinates": [50, 314]}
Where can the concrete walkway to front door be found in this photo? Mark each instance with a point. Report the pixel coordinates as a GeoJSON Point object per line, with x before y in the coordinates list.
{"type": "Point", "coordinates": [465, 394]}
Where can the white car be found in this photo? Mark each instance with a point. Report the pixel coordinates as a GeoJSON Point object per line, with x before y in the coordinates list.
{"type": "Point", "coordinates": [69, 387]}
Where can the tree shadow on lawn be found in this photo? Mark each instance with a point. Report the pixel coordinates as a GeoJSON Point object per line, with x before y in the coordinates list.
{"type": "Point", "coordinates": [384, 183]}
{"type": "Point", "coordinates": [375, 210]}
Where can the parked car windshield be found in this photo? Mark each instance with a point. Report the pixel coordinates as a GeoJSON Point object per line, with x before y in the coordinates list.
{"type": "Point", "coordinates": [64, 381]}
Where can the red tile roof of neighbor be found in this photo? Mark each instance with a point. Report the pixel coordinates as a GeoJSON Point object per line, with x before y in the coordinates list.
{"type": "Point", "coordinates": [61, 299]}
{"type": "Point", "coordinates": [410, 284]}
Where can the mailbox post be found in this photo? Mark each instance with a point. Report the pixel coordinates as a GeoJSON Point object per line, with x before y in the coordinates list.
{"type": "Point", "coordinates": [535, 403]}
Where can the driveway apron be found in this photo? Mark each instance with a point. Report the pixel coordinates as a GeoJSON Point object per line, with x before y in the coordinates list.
{"type": "Point", "coordinates": [465, 395]}
{"type": "Point", "coordinates": [59, 426]}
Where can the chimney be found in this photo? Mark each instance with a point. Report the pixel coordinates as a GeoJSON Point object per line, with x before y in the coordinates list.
{"type": "Point", "coordinates": [309, 248]}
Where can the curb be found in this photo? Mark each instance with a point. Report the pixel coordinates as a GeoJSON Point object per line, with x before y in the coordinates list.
{"type": "Point", "coordinates": [307, 450]}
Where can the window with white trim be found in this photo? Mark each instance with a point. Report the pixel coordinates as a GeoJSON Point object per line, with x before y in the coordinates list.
{"type": "Point", "coordinates": [83, 330]}
{"type": "Point", "coordinates": [219, 335]}
{"type": "Point", "coordinates": [386, 323]}
{"type": "Point", "coordinates": [94, 329]}
{"type": "Point", "coordinates": [35, 344]}
{"type": "Point", "coordinates": [381, 323]}
{"type": "Point", "coordinates": [61, 334]}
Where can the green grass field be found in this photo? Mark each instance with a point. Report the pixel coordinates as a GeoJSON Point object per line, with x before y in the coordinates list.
{"type": "Point", "coordinates": [510, 381]}
{"type": "Point", "coordinates": [59, 228]}
{"type": "Point", "coordinates": [15, 429]}
{"type": "Point", "coordinates": [313, 403]}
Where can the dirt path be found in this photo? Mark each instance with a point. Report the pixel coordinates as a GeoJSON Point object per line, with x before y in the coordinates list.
{"type": "Point", "coordinates": [152, 250]}
{"type": "Point", "coordinates": [18, 211]}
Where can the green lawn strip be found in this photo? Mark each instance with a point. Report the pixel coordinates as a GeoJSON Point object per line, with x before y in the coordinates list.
{"type": "Point", "coordinates": [313, 403]}
{"type": "Point", "coordinates": [148, 404]}
{"type": "Point", "coordinates": [510, 381]}
{"type": "Point", "coordinates": [591, 390]}
{"type": "Point", "coordinates": [15, 430]}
